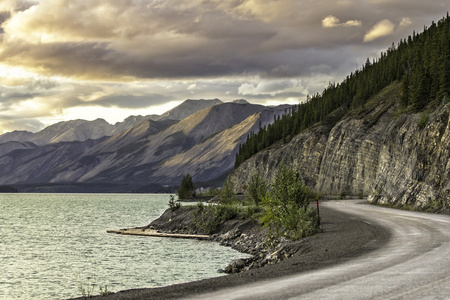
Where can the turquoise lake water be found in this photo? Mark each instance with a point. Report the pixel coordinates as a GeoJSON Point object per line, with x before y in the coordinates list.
{"type": "Point", "coordinates": [55, 246]}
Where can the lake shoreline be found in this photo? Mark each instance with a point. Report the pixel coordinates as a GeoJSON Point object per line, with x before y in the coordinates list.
{"type": "Point", "coordinates": [342, 239]}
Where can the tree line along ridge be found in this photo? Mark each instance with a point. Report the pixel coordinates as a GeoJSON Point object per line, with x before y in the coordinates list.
{"type": "Point", "coordinates": [421, 63]}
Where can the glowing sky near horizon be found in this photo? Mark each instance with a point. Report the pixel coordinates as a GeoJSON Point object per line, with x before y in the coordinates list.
{"type": "Point", "coordinates": [77, 59]}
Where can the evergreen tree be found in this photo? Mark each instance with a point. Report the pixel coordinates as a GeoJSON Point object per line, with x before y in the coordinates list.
{"type": "Point", "coordinates": [404, 99]}
{"type": "Point", "coordinates": [187, 187]}
{"type": "Point", "coordinates": [421, 62]}
{"type": "Point", "coordinates": [419, 89]}
{"type": "Point", "coordinates": [444, 66]}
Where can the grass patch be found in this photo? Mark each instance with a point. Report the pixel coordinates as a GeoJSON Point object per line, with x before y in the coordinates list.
{"type": "Point", "coordinates": [207, 218]}
{"type": "Point", "coordinates": [433, 206]}
{"type": "Point", "coordinates": [423, 120]}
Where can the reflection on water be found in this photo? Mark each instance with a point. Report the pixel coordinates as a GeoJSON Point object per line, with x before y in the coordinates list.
{"type": "Point", "coordinates": [54, 245]}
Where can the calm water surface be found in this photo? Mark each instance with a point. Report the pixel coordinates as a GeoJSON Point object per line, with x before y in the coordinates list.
{"type": "Point", "coordinates": [52, 246]}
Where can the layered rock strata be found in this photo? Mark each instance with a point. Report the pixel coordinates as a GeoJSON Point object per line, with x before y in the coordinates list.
{"type": "Point", "coordinates": [376, 151]}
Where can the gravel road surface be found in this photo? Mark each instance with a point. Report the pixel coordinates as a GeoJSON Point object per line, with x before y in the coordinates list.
{"type": "Point", "coordinates": [364, 252]}
{"type": "Point", "coordinates": [414, 264]}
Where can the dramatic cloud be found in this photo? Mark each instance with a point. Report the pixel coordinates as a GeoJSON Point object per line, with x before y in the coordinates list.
{"type": "Point", "coordinates": [21, 123]}
{"type": "Point", "coordinates": [332, 21]}
{"type": "Point", "coordinates": [126, 40]}
{"type": "Point", "coordinates": [7, 5]}
{"type": "Point", "coordinates": [103, 58]}
{"type": "Point", "coordinates": [382, 28]}
{"type": "Point", "coordinates": [405, 22]}
{"type": "Point", "coordinates": [272, 87]}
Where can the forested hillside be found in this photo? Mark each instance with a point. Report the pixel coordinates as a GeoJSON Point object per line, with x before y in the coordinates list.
{"type": "Point", "coordinates": [421, 63]}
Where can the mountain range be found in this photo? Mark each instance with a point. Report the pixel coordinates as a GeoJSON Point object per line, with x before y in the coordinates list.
{"type": "Point", "coordinates": [199, 137]}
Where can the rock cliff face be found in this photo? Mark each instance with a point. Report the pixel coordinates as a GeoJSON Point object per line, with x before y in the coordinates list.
{"type": "Point", "coordinates": [376, 151]}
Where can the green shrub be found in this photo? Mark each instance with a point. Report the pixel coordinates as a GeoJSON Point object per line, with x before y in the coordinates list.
{"type": "Point", "coordinates": [208, 217]}
{"type": "Point", "coordinates": [210, 192]}
{"type": "Point", "coordinates": [257, 188]}
{"type": "Point", "coordinates": [287, 213]}
{"type": "Point", "coordinates": [407, 207]}
{"type": "Point", "coordinates": [227, 192]}
{"type": "Point", "coordinates": [200, 206]}
{"type": "Point", "coordinates": [225, 212]}
{"type": "Point", "coordinates": [204, 219]}
{"type": "Point", "coordinates": [173, 204]}
{"type": "Point", "coordinates": [253, 211]}
{"type": "Point", "coordinates": [104, 291]}
{"type": "Point", "coordinates": [432, 206]}
{"type": "Point", "coordinates": [343, 194]}
{"type": "Point", "coordinates": [423, 120]}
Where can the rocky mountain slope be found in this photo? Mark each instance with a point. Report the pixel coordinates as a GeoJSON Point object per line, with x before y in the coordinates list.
{"type": "Point", "coordinates": [11, 146]}
{"type": "Point", "coordinates": [153, 152]}
{"type": "Point", "coordinates": [209, 158]}
{"type": "Point", "coordinates": [149, 156]}
{"type": "Point", "coordinates": [186, 109]}
{"type": "Point", "coordinates": [376, 151]}
{"type": "Point", "coordinates": [75, 130]}
{"type": "Point", "coordinates": [82, 130]}
{"type": "Point", "coordinates": [28, 165]}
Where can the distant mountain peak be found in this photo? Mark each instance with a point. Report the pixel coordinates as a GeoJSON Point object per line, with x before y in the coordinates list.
{"type": "Point", "coordinates": [189, 107]}
{"type": "Point", "coordinates": [81, 130]}
{"type": "Point", "coordinates": [241, 101]}
{"type": "Point", "coordinates": [151, 151]}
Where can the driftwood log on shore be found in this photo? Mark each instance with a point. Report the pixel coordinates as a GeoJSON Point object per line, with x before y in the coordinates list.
{"type": "Point", "coordinates": [156, 233]}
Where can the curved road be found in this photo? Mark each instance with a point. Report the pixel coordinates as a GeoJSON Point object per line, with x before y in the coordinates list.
{"type": "Point", "coordinates": [415, 263]}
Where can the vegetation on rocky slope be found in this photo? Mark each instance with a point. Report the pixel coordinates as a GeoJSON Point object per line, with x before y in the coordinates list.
{"type": "Point", "coordinates": [421, 63]}
{"type": "Point", "coordinates": [282, 206]}
{"type": "Point", "coordinates": [267, 222]}
{"type": "Point", "coordinates": [286, 207]}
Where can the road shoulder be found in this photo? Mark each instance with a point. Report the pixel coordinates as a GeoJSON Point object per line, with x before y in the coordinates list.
{"type": "Point", "coordinates": [343, 238]}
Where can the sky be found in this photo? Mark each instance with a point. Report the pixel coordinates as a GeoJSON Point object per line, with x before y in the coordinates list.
{"type": "Point", "coordinates": [77, 59]}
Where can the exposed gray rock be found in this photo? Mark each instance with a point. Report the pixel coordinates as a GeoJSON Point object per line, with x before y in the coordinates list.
{"type": "Point", "coordinates": [35, 164]}
{"type": "Point", "coordinates": [79, 130]}
{"type": "Point", "coordinates": [377, 152]}
{"type": "Point", "coordinates": [131, 122]}
{"type": "Point", "coordinates": [16, 136]}
{"type": "Point", "coordinates": [203, 144]}
{"type": "Point", "coordinates": [188, 108]}
{"type": "Point", "coordinates": [11, 146]}
{"type": "Point", "coordinates": [82, 130]}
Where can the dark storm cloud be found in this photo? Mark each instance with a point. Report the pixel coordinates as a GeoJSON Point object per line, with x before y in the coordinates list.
{"type": "Point", "coordinates": [4, 15]}
{"type": "Point", "coordinates": [133, 54]}
{"type": "Point", "coordinates": [13, 97]}
{"type": "Point", "coordinates": [173, 39]}
{"type": "Point", "coordinates": [22, 5]}
{"type": "Point", "coordinates": [99, 60]}
{"type": "Point", "coordinates": [80, 59]}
